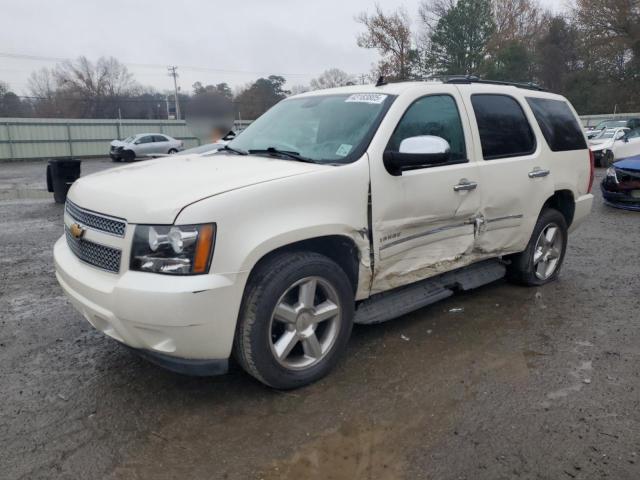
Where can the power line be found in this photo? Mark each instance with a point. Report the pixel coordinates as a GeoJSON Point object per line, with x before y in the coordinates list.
{"type": "Point", "coordinates": [20, 56]}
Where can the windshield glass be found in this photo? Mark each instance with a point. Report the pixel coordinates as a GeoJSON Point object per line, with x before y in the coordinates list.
{"type": "Point", "coordinates": [606, 134]}
{"type": "Point", "coordinates": [128, 139]}
{"type": "Point", "coordinates": [327, 128]}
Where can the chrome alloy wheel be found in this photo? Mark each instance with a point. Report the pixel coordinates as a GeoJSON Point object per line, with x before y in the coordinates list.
{"type": "Point", "coordinates": [305, 323]}
{"type": "Point", "coordinates": [546, 255]}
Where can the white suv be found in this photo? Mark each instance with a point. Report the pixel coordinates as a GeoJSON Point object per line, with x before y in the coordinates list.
{"type": "Point", "coordinates": [350, 205]}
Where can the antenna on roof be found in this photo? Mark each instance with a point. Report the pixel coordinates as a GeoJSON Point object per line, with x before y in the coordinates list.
{"type": "Point", "coordinates": [381, 81]}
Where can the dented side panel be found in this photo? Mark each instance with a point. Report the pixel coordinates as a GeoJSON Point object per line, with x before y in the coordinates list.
{"type": "Point", "coordinates": [421, 226]}
{"type": "Point", "coordinates": [255, 221]}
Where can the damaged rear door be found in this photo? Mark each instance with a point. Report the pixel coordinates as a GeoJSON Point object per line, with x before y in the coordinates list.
{"type": "Point", "coordinates": [423, 220]}
{"type": "Point", "coordinates": [512, 160]}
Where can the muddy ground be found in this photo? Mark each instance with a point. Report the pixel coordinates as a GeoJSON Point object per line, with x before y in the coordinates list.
{"type": "Point", "coordinates": [540, 383]}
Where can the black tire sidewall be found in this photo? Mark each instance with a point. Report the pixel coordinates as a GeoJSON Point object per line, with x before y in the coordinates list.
{"type": "Point", "coordinates": [270, 371]}
{"type": "Point", "coordinates": [548, 216]}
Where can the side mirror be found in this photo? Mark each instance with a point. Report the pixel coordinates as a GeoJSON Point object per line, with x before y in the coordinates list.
{"type": "Point", "coordinates": [420, 151]}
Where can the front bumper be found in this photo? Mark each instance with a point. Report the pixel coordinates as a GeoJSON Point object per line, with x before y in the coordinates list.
{"type": "Point", "coordinates": [186, 320]}
{"type": "Point", "coordinates": [625, 198]}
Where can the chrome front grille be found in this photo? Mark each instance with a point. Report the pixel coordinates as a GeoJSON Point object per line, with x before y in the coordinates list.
{"type": "Point", "coordinates": [99, 256]}
{"type": "Point", "coordinates": [96, 221]}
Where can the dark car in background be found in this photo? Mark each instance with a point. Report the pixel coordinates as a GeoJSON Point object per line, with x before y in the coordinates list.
{"type": "Point", "coordinates": [621, 185]}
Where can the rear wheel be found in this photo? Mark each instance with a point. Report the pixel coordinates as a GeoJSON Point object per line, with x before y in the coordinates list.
{"type": "Point", "coordinates": [295, 320]}
{"type": "Point", "coordinates": [541, 261]}
{"type": "Point", "coordinates": [172, 151]}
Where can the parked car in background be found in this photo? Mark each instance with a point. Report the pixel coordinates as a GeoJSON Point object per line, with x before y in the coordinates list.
{"type": "Point", "coordinates": [349, 205]}
{"type": "Point", "coordinates": [620, 144]}
{"type": "Point", "coordinates": [630, 123]}
{"type": "Point", "coordinates": [602, 145]}
{"type": "Point", "coordinates": [144, 144]}
{"type": "Point", "coordinates": [621, 185]}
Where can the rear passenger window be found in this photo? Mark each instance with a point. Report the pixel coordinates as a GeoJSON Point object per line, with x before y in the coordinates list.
{"type": "Point", "coordinates": [435, 115]}
{"type": "Point", "coordinates": [504, 129]}
{"type": "Point", "coordinates": [558, 124]}
{"type": "Point", "coordinates": [159, 138]}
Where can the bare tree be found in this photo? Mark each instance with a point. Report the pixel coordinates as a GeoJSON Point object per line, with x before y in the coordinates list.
{"type": "Point", "coordinates": [610, 23]}
{"type": "Point", "coordinates": [331, 78]}
{"type": "Point", "coordinates": [391, 35]}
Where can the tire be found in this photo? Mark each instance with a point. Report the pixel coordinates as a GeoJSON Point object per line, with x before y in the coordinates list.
{"type": "Point", "coordinates": [128, 155]}
{"type": "Point", "coordinates": [116, 159]}
{"type": "Point", "coordinates": [261, 332]}
{"type": "Point", "coordinates": [172, 151]}
{"type": "Point", "coordinates": [524, 269]}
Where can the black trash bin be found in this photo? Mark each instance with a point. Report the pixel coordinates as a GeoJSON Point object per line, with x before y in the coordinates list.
{"type": "Point", "coordinates": [61, 173]}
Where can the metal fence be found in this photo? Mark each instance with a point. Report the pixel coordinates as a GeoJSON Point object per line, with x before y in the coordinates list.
{"type": "Point", "coordinates": [592, 120]}
{"type": "Point", "coordinates": [25, 138]}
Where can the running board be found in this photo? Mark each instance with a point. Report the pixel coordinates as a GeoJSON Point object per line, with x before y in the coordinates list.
{"type": "Point", "coordinates": [395, 303]}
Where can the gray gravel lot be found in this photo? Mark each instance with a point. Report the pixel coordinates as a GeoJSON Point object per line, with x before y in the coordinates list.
{"type": "Point", "coordinates": [522, 383]}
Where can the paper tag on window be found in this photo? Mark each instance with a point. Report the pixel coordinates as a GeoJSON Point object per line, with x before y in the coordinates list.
{"type": "Point", "coordinates": [343, 150]}
{"type": "Point", "coordinates": [376, 98]}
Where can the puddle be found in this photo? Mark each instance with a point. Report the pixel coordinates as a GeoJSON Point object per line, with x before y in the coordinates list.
{"type": "Point", "coordinates": [353, 452]}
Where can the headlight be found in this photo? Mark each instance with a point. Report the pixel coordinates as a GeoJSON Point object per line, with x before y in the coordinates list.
{"type": "Point", "coordinates": [173, 249]}
{"type": "Point", "coordinates": [611, 173]}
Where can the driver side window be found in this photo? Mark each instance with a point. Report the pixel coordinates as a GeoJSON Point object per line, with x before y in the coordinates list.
{"type": "Point", "coordinates": [435, 115]}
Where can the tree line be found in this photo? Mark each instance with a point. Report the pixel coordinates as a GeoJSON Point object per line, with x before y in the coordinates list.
{"type": "Point", "coordinates": [591, 54]}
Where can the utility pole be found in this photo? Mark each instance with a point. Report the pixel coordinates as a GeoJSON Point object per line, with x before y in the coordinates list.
{"type": "Point", "coordinates": [173, 73]}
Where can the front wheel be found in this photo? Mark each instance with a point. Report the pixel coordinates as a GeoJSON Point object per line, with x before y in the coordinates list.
{"type": "Point", "coordinates": [541, 261]}
{"type": "Point", "coordinates": [295, 321]}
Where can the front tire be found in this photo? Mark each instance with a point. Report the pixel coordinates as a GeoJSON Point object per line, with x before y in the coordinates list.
{"type": "Point", "coordinates": [295, 320]}
{"type": "Point", "coordinates": [541, 261]}
{"type": "Point", "coordinates": [128, 155]}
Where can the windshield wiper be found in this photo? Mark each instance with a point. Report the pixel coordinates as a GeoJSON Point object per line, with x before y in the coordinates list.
{"type": "Point", "coordinates": [283, 153]}
{"type": "Point", "coordinates": [234, 150]}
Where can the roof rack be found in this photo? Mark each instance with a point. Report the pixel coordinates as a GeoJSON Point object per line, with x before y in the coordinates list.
{"type": "Point", "coordinates": [476, 79]}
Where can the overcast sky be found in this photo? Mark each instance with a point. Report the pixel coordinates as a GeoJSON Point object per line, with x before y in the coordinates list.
{"type": "Point", "coordinates": [211, 41]}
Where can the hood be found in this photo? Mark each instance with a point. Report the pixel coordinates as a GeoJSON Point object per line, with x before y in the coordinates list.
{"type": "Point", "coordinates": [155, 191]}
{"type": "Point", "coordinates": [596, 145]}
{"type": "Point", "coordinates": [630, 163]}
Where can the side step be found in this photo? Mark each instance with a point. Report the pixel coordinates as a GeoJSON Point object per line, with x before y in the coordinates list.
{"type": "Point", "coordinates": [395, 303]}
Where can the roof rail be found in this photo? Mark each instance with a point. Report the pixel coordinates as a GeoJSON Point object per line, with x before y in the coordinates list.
{"type": "Point", "coordinates": [476, 79]}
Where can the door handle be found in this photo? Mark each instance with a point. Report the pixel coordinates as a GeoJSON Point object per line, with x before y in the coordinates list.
{"type": "Point", "coordinates": [538, 173]}
{"type": "Point", "coordinates": [465, 185]}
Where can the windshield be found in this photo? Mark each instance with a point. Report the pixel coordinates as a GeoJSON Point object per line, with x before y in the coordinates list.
{"type": "Point", "coordinates": [324, 129]}
{"type": "Point", "coordinates": [129, 139]}
{"type": "Point", "coordinates": [606, 134]}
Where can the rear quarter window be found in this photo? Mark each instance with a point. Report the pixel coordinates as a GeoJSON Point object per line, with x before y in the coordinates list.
{"type": "Point", "coordinates": [503, 126]}
{"type": "Point", "coordinates": [559, 126]}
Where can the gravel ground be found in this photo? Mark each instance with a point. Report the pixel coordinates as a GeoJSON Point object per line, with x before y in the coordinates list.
{"type": "Point", "coordinates": [538, 383]}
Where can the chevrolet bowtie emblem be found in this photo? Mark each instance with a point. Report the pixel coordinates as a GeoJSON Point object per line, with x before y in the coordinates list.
{"type": "Point", "coordinates": [76, 230]}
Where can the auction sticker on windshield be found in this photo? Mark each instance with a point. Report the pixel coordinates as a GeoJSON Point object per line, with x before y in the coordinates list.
{"type": "Point", "coordinates": [376, 98]}
{"type": "Point", "coordinates": [343, 150]}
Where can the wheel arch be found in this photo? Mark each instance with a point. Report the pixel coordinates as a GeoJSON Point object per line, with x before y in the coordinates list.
{"type": "Point", "coordinates": [342, 249]}
{"type": "Point", "coordinates": [564, 202]}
